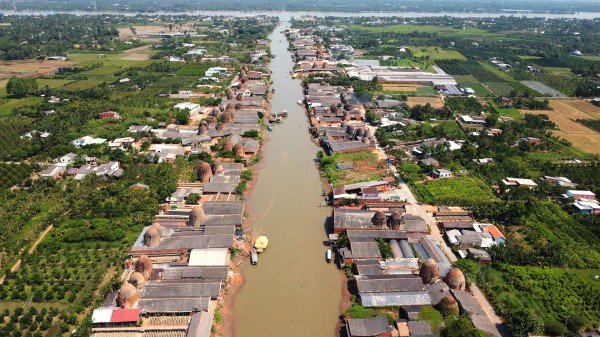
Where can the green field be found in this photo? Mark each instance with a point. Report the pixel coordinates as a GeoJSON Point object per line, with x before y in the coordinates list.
{"type": "Point", "coordinates": [454, 191]}
{"type": "Point", "coordinates": [469, 81]}
{"type": "Point", "coordinates": [443, 31]}
{"type": "Point", "coordinates": [82, 85]}
{"type": "Point", "coordinates": [8, 106]}
{"type": "Point", "coordinates": [499, 88]}
{"type": "Point", "coordinates": [436, 53]}
{"type": "Point", "coordinates": [52, 83]}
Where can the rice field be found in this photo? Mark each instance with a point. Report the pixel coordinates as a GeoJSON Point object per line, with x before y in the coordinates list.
{"type": "Point", "coordinates": [565, 114]}
{"type": "Point", "coordinates": [436, 102]}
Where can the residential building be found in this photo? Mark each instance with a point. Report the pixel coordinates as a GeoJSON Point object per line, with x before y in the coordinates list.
{"type": "Point", "coordinates": [109, 115]}
{"type": "Point", "coordinates": [441, 174]}
{"type": "Point", "coordinates": [519, 182]}
{"type": "Point", "coordinates": [579, 194]}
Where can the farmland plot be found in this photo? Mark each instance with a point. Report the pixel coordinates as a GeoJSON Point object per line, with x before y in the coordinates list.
{"type": "Point", "coordinates": [565, 115]}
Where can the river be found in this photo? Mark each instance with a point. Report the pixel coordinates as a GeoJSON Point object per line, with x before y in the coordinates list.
{"type": "Point", "coordinates": [287, 15]}
{"type": "Point", "coordinates": [292, 291]}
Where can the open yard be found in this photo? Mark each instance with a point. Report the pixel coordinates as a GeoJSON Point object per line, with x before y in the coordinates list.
{"type": "Point", "coordinates": [401, 87]}
{"type": "Point", "coordinates": [435, 102]}
{"type": "Point", "coordinates": [367, 166]}
{"type": "Point", "coordinates": [31, 68]}
{"type": "Point", "coordinates": [453, 191]}
{"type": "Point", "coordinates": [564, 114]}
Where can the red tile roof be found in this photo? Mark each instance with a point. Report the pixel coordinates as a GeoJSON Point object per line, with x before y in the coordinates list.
{"type": "Point", "coordinates": [125, 315]}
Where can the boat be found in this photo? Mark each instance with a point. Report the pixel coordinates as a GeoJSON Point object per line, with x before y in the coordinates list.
{"type": "Point", "coordinates": [328, 256]}
{"type": "Point", "coordinates": [253, 256]}
{"type": "Point", "coordinates": [269, 127]}
{"type": "Point", "coordinates": [273, 90]}
{"type": "Point", "coordinates": [283, 113]}
{"type": "Point", "coordinates": [261, 243]}
{"type": "Point", "coordinates": [299, 102]}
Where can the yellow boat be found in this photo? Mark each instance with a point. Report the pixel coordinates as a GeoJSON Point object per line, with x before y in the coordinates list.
{"type": "Point", "coordinates": [261, 243]}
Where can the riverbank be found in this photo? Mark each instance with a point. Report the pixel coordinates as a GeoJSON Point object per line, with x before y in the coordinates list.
{"type": "Point", "coordinates": [236, 280]}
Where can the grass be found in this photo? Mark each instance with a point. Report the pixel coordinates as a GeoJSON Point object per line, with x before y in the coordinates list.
{"type": "Point", "coordinates": [430, 314]}
{"type": "Point", "coordinates": [499, 88]}
{"type": "Point", "coordinates": [454, 191]}
{"type": "Point", "coordinates": [361, 158]}
{"type": "Point", "coordinates": [82, 85]}
{"type": "Point", "coordinates": [52, 83]}
{"type": "Point", "coordinates": [510, 112]}
{"type": "Point", "coordinates": [436, 53]}
{"type": "Point", "coordinates": [469, 81]}
{"type": "Point", "coordinates": [443, 31]}
{"type": "Point", "coordinates": [7, 107]}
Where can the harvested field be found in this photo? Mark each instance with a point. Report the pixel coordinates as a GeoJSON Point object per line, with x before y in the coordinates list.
{"type": "Point", "coordinates": [31, 68]}
{"type": "Point", "coordinates": [125, 33]}
{"type": "Point", "coordinates": [565, 114]}
{"type": "Point", "coordinates": [137, 54]}
{"type": "Point", "coordinates": [401, 87]}
{"type": "Point", "coordinates": [436, 102]}
{"type": "Point", "coordinates": [584, 106]}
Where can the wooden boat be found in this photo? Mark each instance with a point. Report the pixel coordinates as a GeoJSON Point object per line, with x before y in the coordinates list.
{"type": "Point", "coordinates": [261, 243]}
{"type": "Point", "coordinates": [328, 256]}
{"type": "Point", "coordinates": [253, 256]}
{"type": "Point", "coordinates": [283, 113]}
{"type": "Point", "coordinates": [273, 90]}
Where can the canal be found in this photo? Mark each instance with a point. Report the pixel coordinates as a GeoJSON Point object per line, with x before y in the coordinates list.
{"type": "Point", "coordinates": [292, 291]}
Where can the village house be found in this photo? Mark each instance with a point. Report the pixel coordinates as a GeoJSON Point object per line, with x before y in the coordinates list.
{"type": "Point", "coordinates": [519, 182]}
{"type": "Point", "coordinates": [53, 171]}
{"type": "Point", "coordinates": [580, 194]}
{"type": "Point", "coordinates": [68, 158]}
{"type": "Point", "coordinates": [530, 140]}
{"type": "Point", "coordinates": [109, 115]}
{"type": "Point", "coordinates": [441, 174]}
{"type": "Point", "coordinates": [559, 181]}
{"type": "Point", "coordinates": [87, 140]}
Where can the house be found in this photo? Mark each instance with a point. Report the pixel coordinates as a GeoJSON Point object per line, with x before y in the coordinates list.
{"type": "Point", "coordinates": [519, 182]}
{"type": "Point", "coordinates": [53, 171]}
{"type": "Point", "coordinates": [87, 140]}
{"type": "Point", "coordinates": [587, 206]}
{"type": "Point", "coordinates": [441, 174]}
{"type": "Point", "coordinates": [531, 140]}
{"type": "Point", "coordinates": [559, 181]}
{"type": "Point", "coordinates": [254, 75]}
{"type": "Point", "coordinates": [216, 72]}
{"type": "Point", "coordinates": [139, 128]}
{"type": "Point", "coordinates": [495, 233]}
{"type": "Point", "coordinates": [483, 161]}
{"type": "Point", "coordinates": [121, 143]}
{"type": "Point", "coordinates": [109, 169]}
{"type": "Point", "coordinates": [579, 194]}
{"type": "Point", "coordinates": [109, 115]}
{"type": "Point", "coordinates": [68, 158]}
{"type": "Point", "coordinates": [370, 193]}
{"type": "Point", "coordinates": [466, 119]}
{"type": "Point", "coordinates": [369, 327]}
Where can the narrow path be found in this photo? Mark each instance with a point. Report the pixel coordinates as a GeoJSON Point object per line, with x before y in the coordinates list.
{"type": "Point", "coordinates": [39, 239]}
{"type": "Point", "coordinates": [17, 264]}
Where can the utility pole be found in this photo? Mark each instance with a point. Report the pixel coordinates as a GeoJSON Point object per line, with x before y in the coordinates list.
{"type": "Point", "coordinates": [14, 3]}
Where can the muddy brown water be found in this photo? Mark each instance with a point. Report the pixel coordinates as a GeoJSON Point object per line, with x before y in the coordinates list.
{"type": "Point", "coordinates": [292, 291]}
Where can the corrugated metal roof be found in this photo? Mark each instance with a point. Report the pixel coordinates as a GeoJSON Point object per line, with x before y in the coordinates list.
{"type": "Point", "coordinates": [125, 315]}
{"type": "Point", "coordinates": [396, 299]}
{"type": "Point", "coordinates": [372, 326]}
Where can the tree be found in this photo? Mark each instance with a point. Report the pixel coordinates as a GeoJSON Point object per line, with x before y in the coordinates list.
{"type": "Point", "coordinates": [523, 321]}
{"type": "Point", "coordinates": [182, 117]}
{"type": "Point", "coordinates": [462, 327]}
{"type": "Point", "coordinates": [21, 87]}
